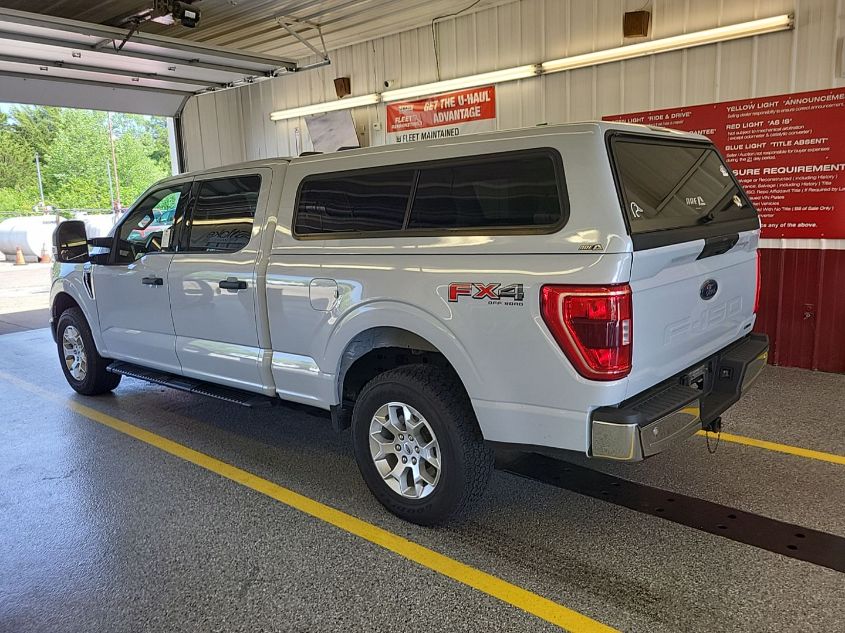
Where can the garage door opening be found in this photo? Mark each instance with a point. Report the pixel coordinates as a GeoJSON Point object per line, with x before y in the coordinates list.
{"type": "Point", "coordinates": [59, 164]}
{"type": "Point", "coordinates": [75, 160]}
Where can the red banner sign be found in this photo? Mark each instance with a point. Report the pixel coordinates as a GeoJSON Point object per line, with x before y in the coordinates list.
{"type": "Point", "coordinates": [788, 152]}
{"type": "Point", "coordinates": [443, 115]}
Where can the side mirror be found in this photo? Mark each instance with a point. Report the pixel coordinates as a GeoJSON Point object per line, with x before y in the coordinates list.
{"type": "Point", "coordinates": [104, 246]}
{"type": "Point", "coordinates": [70, 242]}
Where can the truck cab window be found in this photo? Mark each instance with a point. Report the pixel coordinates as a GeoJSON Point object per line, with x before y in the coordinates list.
{"type": "Point", "coordinates": [148, 227]}
{"type": "Point", "coordinates": [223, 214]}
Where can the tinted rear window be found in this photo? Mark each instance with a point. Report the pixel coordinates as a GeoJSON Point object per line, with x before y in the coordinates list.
{"type": "Point", "coordinates": [521, 190]}
{"type": "Point", "coordinates": [676, 185]}
{"type": "Point", "coordinates": [489, 193]}
{"type": "Point", "coordinates": [356, 202]}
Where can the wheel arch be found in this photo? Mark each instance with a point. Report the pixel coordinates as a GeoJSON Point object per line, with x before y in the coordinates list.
{"type": "Point", "coordinates": [389, 336]}
{"type": "Point", "coordinates": [379, 338]}
{"type": "Point", "coordinates": [69, 293]}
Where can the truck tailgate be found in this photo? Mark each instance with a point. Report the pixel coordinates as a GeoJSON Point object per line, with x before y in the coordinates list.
{"type": "Point", "coordinates": [694, 234]}
{"type": "Point", "coordinates": [675, 326]}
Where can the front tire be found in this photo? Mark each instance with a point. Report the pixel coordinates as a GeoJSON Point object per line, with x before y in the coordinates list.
{"type": "Point", "coordinates": [418, 444]}
{"type": "Point", "coordinates": [83, 367]}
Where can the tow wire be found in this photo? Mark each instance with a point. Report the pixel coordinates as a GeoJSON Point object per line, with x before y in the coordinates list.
{"type": "Point", "coordinates": [717, 424]}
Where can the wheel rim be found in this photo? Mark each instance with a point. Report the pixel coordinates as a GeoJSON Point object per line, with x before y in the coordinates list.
{"type": "Point", "coordinates": [404, 450]}
{"type": "Point", "coordinates": [73, 350]}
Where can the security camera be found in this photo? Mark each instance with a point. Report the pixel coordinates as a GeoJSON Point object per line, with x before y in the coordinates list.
{"type": "Point", "coordinates": [388, 83]}
{"type": "Point", "coordinates": [188, 15]}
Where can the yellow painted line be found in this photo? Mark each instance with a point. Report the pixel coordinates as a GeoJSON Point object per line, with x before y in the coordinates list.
{"type": "Point", "coordinates": [514, 595]}
{"type": "Point", "coordinates": [780, 448]}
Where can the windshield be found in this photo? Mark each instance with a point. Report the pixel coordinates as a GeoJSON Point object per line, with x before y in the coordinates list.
{"type": "Point", "coordinates": [670, 185]}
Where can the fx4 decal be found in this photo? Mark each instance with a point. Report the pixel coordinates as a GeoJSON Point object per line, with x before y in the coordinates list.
{"type": "Point", "coordinates": [507, 295]}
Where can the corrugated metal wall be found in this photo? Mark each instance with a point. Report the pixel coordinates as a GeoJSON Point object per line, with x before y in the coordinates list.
{"type": "Point", "coordinates": [234, 125]}
{"type": "Point", "coordinates": [802, 307]}
{"type": "Point", "coordinates": [231, 126]}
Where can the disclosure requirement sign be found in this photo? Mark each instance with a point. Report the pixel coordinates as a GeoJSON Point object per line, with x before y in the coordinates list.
{"type": "Point", "coordinates": [442, 116]}
{"type": "Point", "coordinates": [787, 151]}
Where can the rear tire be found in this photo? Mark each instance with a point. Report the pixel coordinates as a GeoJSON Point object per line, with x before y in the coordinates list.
{"type": "Point", "coordinates": [422, 415]}
{"type": "Point", "coordinates": [83, 367]}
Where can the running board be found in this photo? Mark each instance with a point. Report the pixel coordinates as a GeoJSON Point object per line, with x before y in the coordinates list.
{"type": "Point", "coordinates": [191, 385]}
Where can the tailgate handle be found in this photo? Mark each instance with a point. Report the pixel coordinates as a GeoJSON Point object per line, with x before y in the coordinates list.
{"type": "Point", "coordinates": [718, 245]}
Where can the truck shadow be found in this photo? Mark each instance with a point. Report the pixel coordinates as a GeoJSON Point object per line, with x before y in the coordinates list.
{"type": "Point", "coordinates": [26, 320]}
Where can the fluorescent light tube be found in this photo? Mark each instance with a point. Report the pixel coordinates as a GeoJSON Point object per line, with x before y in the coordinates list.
{"type": "Point", "coordinates": [459, 83]}
{"type": "Point", "coordinates": [328, 106]}
{"type": "Point", "coordinates": [677, 42]}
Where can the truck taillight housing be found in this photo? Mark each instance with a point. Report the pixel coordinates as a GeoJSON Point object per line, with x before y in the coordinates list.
{"type": "Point", "coordinates": [757, 291]}
{"type": "Point", "coordinates": [593, 325]}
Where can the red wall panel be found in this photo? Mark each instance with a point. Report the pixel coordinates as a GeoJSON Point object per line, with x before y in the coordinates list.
{"type": "Point", "coordinates": [802, 307]}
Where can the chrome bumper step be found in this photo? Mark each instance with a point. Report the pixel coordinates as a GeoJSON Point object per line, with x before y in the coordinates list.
{"type": "Point", "coordinates": [673, 410]}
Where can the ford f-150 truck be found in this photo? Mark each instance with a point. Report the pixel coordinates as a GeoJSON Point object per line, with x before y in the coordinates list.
{"type": "Point", "coordinates": [590, 287]}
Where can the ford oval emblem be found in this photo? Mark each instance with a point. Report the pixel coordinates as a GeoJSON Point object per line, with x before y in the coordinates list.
{"type": "Point", "coordinates": [709, 289]}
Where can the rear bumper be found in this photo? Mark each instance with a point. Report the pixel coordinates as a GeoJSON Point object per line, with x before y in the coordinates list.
{"type": "Point", "coordinates": [671, 411]}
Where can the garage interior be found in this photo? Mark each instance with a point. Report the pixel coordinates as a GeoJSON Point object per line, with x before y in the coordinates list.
{"type": "Point", "coordinates": [155, 510]}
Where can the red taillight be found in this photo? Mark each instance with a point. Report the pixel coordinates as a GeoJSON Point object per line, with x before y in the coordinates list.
{"type": "Point", "coordinates": [593, 326]}
{"type": "Point", "coordinates": [757, 291]}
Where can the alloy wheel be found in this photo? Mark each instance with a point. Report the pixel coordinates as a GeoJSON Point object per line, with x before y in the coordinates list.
{"type": "Point", "coordinates": [73, 349]}
{"type": "Point", "coordinates": [405, 450]}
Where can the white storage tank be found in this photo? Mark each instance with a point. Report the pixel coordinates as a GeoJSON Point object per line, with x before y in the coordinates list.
{"type": "Point", "coordinates": [98, 225]}
{"type": "Point", "coordinates": [31, 234]}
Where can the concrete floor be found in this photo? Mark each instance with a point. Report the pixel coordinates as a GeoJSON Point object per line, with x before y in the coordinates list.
{"type": "Point", "coordinates": [24, 297]}
{"type": "Point", "coordinates": [100, 532]}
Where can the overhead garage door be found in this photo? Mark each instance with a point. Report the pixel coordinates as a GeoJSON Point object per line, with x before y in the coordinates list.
{"type": "Point", "coordinates": [46, 60]}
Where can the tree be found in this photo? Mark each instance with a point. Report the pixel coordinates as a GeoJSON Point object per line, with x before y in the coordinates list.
{"type": "Point", "coordinates": [75, 167]}
{"type": "Point", "coordinates": [36, 125]}
{"type": "Point", "coordinates": [79, 158]}
{"type": "Point", "coordinates": [18, 181]}
{"type": "Point", "coordinates": [151, 131]}
{"type": "Point", "coordinates": [16, 160]}
{"type": "Point", "coordinates": [75, 156]}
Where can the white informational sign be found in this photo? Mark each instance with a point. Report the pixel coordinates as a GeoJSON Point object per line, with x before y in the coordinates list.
{"type": "Point", "coordinates": [332, 130]}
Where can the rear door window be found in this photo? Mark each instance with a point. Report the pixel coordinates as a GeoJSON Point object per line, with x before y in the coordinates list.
{"type": "Point", "coordinates": [222, 217]}
{"type": "Point", "coordinates": [675, 185]}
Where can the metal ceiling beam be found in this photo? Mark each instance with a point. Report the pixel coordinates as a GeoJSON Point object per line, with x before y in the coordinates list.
{"type": "Point", "coordinates": [265, 25]}
{"type": "Point", "coordinates": [268, 39]}
{"type": "Point", "coordinates": [108, 71]}
{"type": "Point", "coordinates": [290, 24]}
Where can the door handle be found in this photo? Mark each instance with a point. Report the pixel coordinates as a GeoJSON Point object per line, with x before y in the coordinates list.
{"type": "Point", "coordinates": [232, 284]}
{"type": "Point", "coordinates": [152, 281]}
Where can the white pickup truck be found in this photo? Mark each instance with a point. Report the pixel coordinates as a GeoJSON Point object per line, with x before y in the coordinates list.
{"type": "Point", "coordinates": [589, 287]}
